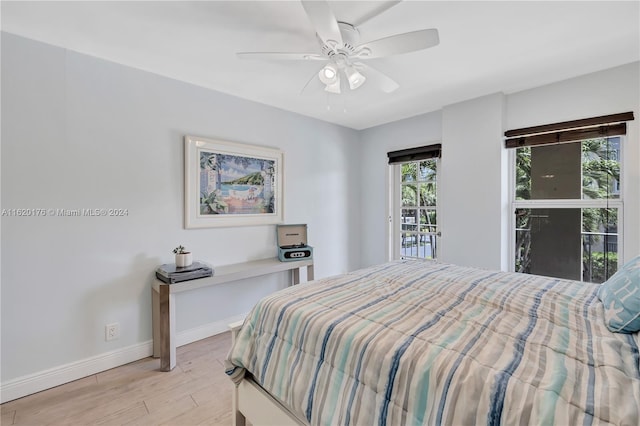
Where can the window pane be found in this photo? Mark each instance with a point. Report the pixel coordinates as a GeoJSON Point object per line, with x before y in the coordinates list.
{"type": "Point", "coordinates": [429, 229]}
{"type": "Point", "coordinates": [578, 244]}
{"type": "Point", "coordinates": [433, 241]}
{"type": "Point", "coordinates": [580, 170]}
{"type": "Point", "coordinates": [409, 245]}
{"type": "Point", "coordinates": [523, 241]}
{"type": "Point", "coordinates": [428, 194]}
{"type": "Point", "coordinates": [428, 217]}
{"type": "Point", "coordinates": [555, 172]}
{"type": "Point", "coordinates": [428, 170]}
{"type": "Point", "coordinates": [427, 246]}
{"type": "Point", "coordinates": [409, 171]}
{"type": "Point", "coordinates": [600, 244]}
{"type": "Point", "coordinates": [601, 168]}
{"type": "Point", "coordinates": [409, 195]}
{"type": "Point", "coordinates": [553, 242]}
{"type": "Point", "coordinates": [523, 173]}
{"type": "Point", "coordinates": [418, 245]}
{"type": "Point", "coordinates": [409, 217]}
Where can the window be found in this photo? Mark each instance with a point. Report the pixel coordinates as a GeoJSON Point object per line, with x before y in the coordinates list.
{"type": "Point", "coordinates": [568, 205]}
{"type": "Point", "coordinates": [414, 229]}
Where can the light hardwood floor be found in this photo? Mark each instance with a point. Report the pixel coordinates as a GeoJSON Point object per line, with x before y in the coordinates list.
{"type": "Point", "coordinates": [196, 392]}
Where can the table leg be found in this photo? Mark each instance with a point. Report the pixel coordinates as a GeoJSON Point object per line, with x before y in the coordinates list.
{"type": "Point", "coordinates": [310, 272]}
{"type": "Point", "coordinates": [155, 321]}
{"type": "Point", "coordinates": [167, 329]}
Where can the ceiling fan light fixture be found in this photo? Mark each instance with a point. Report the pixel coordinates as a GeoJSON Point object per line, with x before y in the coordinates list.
{"type": "Point", "coordinates": [329, 74]}
{"type": "Point", "coordinates": [355, 78]}
{"type": "Point", "coordinates": [334, 87]}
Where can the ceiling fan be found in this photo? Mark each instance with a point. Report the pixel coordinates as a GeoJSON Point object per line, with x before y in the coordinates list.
{"type": "Point", "coordinates": [341, 48]}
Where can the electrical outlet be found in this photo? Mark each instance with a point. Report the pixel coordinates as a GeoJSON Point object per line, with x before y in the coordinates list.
{"type": "Point", "coordinates": [111, 331]}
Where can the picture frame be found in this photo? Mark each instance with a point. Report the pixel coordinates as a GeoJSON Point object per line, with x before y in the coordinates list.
{"type": "Point", "coordinates": [231, 184]}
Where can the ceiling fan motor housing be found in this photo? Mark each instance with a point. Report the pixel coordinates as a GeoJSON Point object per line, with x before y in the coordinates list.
{"type": "Point", "coordinates": [350, 38]}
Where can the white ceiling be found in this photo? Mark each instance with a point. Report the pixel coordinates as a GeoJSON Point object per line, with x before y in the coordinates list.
{"type": "Point", "coordinates": [485, 47]}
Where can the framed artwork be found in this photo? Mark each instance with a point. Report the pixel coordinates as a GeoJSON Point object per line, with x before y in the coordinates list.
{"type": "Point", "coordinates": [231, 184]}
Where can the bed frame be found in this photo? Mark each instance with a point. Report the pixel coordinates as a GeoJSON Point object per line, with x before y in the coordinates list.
{"type": "Point", "coordinates": [251, 402]}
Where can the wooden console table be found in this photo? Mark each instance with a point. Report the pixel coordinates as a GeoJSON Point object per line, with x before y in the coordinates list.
{"type": "Point", "coordinates": [164, 306]}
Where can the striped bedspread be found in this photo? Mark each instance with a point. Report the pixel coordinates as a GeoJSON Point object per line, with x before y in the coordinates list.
{"type": "Point", "coordinates": [412, 342]}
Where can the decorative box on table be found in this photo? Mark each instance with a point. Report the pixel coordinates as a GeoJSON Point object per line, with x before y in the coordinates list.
{"type": "Point", "coordinates": [292, 243]}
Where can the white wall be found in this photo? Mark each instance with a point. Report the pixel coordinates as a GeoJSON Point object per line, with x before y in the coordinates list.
{"type": "Point", "coordinates": [79, 132]}
{"type": "Point", "coordinates": [474, 170]}
{"type": "Point", "coordinates": [472, 191]}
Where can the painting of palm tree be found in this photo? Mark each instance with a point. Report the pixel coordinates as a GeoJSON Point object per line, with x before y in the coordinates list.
{"type": "Point", "coordinates": [231, 184]}
{"type": "Point", "coordinates": [235, 184]}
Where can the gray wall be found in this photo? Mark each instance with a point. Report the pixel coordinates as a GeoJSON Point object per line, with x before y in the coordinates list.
{"type": "Point", "coordinates": [473, 196]}
{"type": "Point", "coordinates": [79, 132]}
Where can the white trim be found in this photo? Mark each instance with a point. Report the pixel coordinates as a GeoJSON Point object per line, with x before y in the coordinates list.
{"type": "Point", "coordinates": [56, 376]}
{"type": "Point", "coordinates": [624, 141]}
{"type": "Point", "coordinates": [569, 204]}
{"type": "Point", "coordinates": [393, 204]}
{"type": "Point", "coordinates": [32, 383]}
{"type": "Point", "coordinates": [511, 264]}
{"type": "Point", "coordinates": [620, 235]}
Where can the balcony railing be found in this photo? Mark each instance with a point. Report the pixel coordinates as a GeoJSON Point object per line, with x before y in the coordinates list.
{"type": "Point", "coordinates": [599, 254]}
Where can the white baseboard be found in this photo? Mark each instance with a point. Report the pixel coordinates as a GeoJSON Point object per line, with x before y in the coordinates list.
{"type": "Point", "coordinates": [32, 383]}
{"type": "Point", "coordinates": [202, 332]}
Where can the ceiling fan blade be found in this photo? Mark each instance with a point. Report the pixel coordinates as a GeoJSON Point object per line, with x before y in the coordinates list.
{"type": "Point", "coordinates": [384, 82]}
{"type": "Point", "coordinates": [383, 7]}
{"type": "Point", "coordinates": [306, 86]}
{"type": "Point", "coordinates": [323, 21]}
{"type": "Point", "coordinates": [400, 43]}
{"type": "Point", "coordinates": [281, 56]}
{"type": "Point", "coordinates": [313, 85]}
